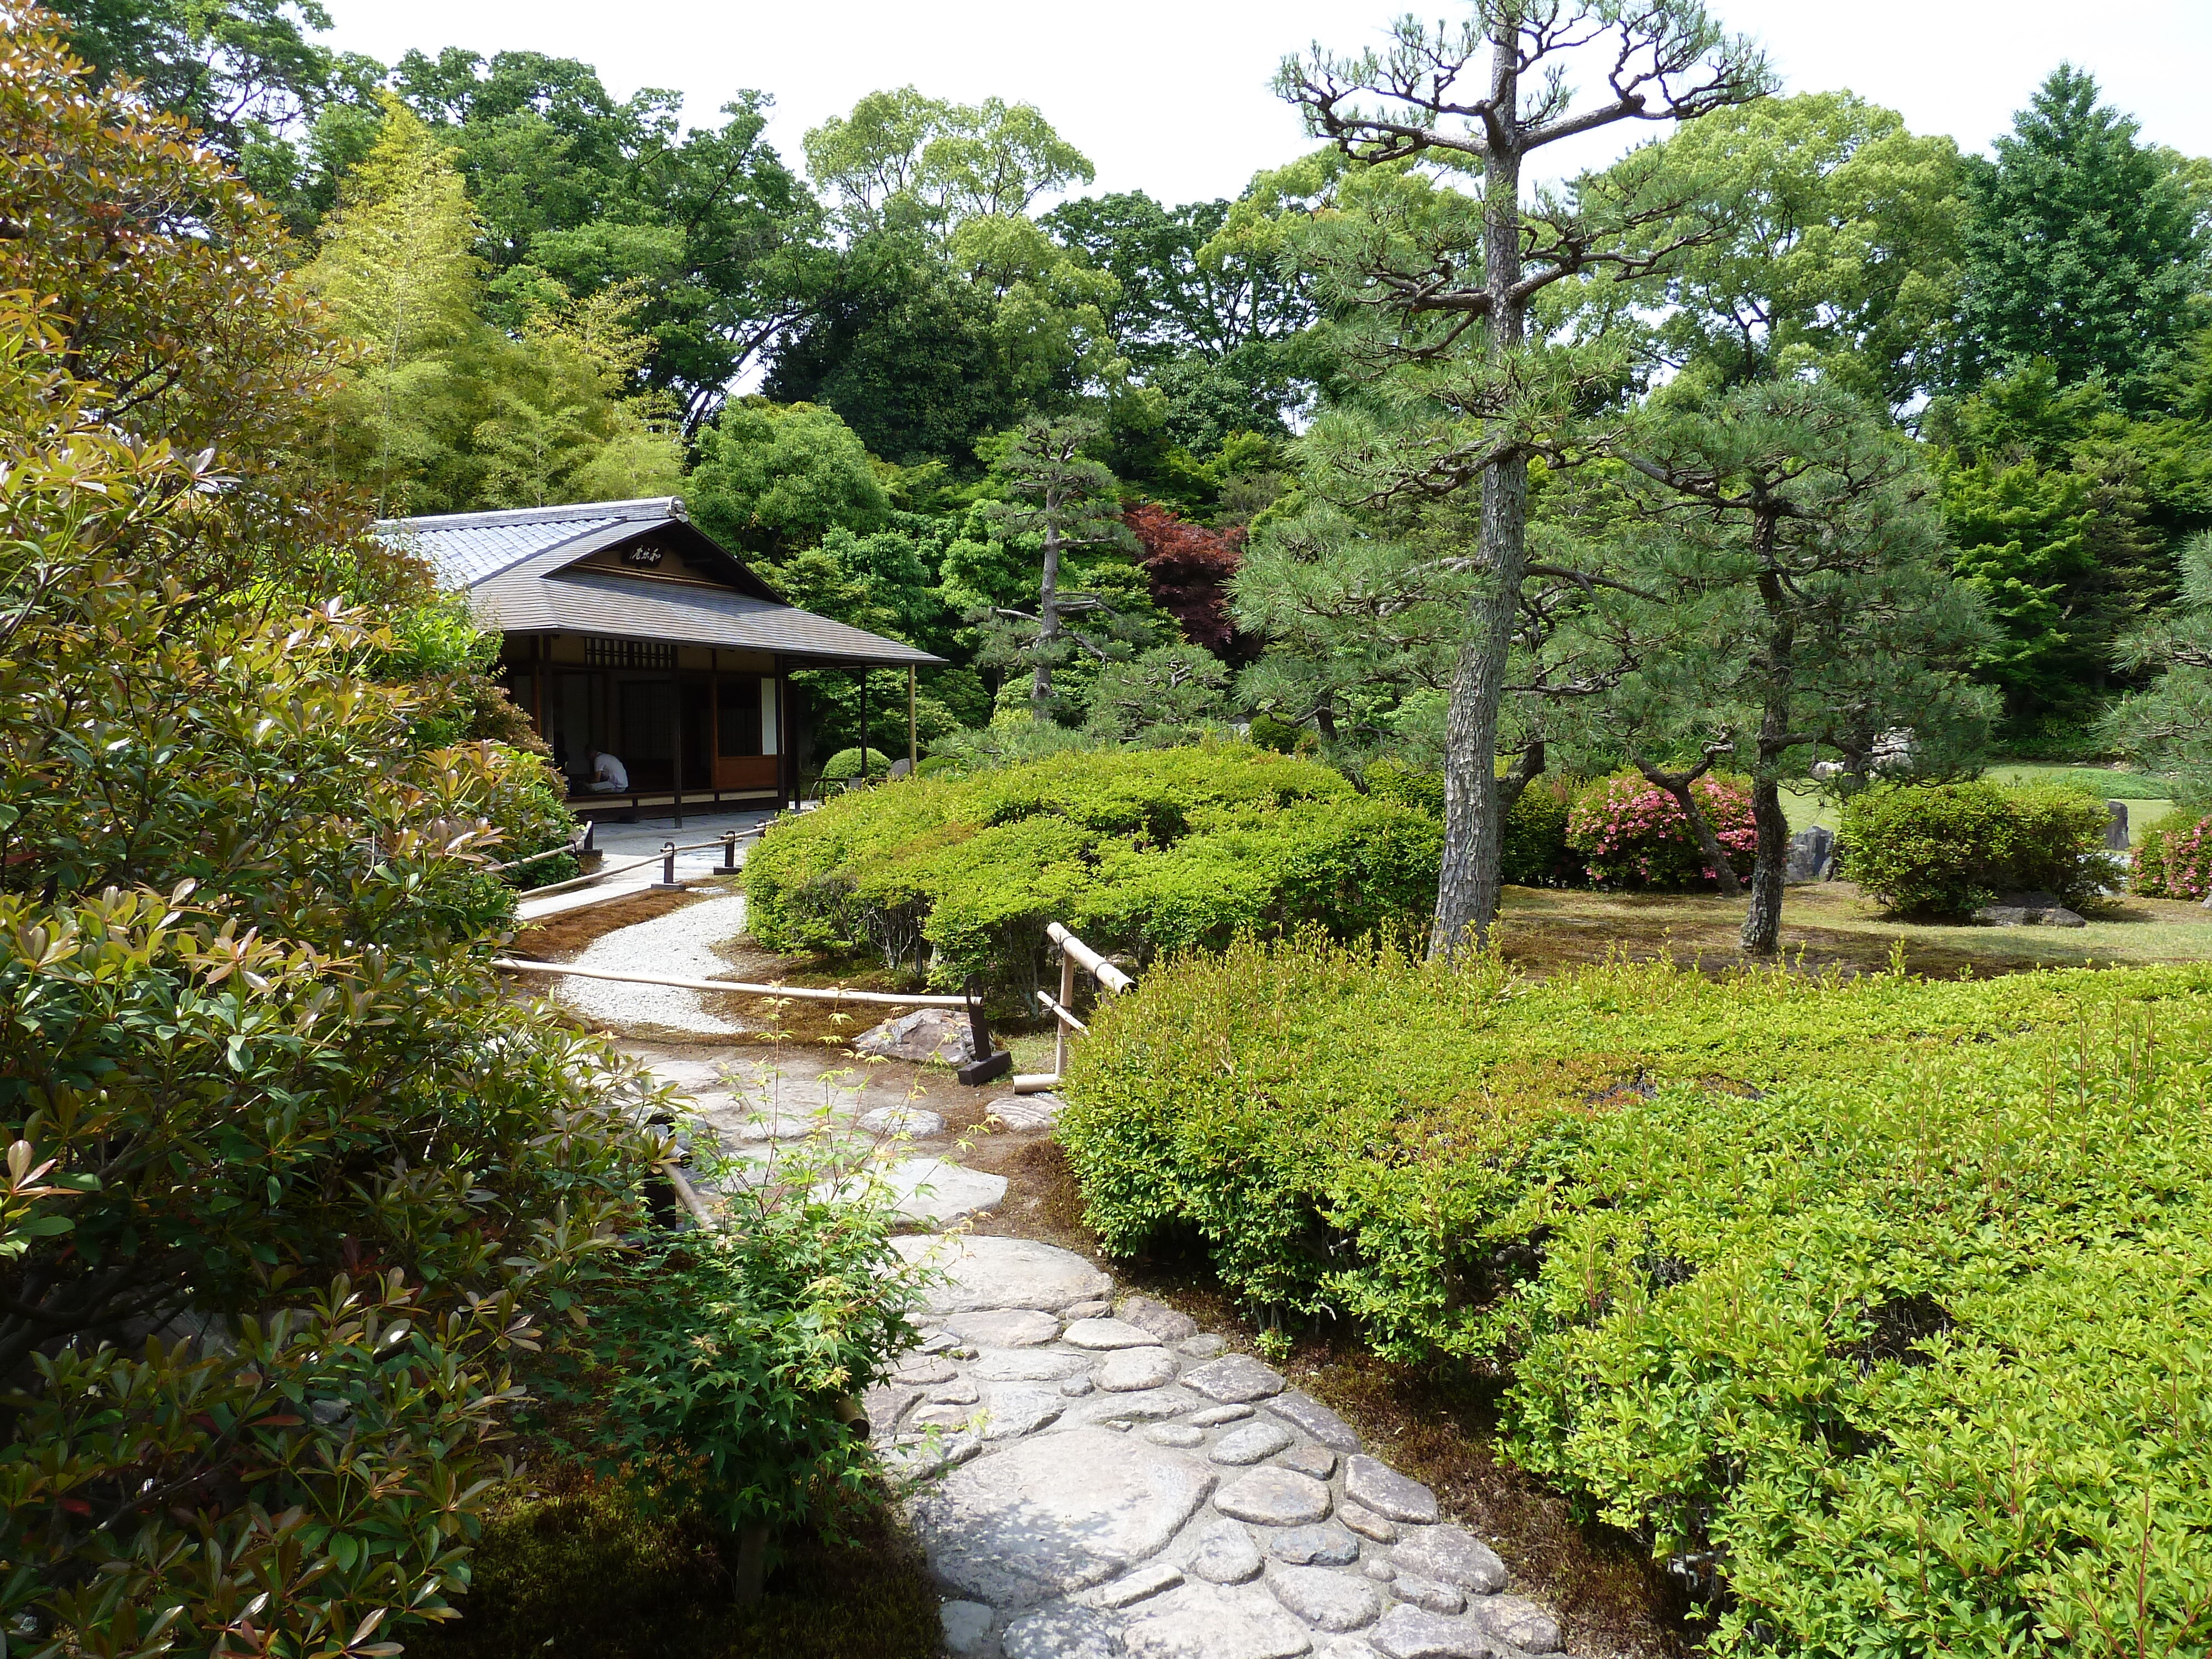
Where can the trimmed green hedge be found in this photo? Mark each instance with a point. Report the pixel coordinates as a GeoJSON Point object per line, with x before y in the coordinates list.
{"type": "Point", "coordinates": [1139, 851]}
{"type": "Point", "coordinates": [1885, 1301]}
{"type": "Point", "coordinates": [1948, 848]}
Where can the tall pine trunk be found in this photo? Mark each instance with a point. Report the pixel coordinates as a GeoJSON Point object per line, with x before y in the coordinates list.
{"type": "Point", "coordinates": [1047, 622]}
{"type": "Point", "coordinates": [1467, 886]}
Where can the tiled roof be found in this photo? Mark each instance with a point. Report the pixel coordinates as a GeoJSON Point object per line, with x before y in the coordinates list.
{"type": "Point", "coordinates": [514, 567]}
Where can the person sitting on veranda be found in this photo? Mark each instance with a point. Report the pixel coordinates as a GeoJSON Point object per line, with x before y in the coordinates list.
{"type": "Point", "coordinates": [608, 775]}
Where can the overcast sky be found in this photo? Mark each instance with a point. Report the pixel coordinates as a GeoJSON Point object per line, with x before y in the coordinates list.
{"type": "Point", "coordinates": [1171, 96]}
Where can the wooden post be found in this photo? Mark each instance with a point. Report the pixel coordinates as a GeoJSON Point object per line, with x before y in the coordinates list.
{"type": "Point", "coordinates": [864, 725]}
{"type": "Point", "coordinates": [675, 761]}
{"type": "Point", "coordinates": [913, 747]}
{"type": "Point", "coordinates": [714, 725]}
{"type": "Point", "coordinates": [1060, 1025]}
{"type": "Point", "coordinates": [538, 685]}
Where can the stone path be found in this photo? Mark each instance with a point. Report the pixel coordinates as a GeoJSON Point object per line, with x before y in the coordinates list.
{"type": "Point", "coordinates": [1095, 1480]}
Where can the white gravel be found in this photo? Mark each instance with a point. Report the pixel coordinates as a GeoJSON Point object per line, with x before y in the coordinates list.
{"type": "Point", "coordinates": [678, 946]}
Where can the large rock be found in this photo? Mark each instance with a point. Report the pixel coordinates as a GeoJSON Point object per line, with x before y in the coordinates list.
{"type": "Point", "coordinates": [2116, 826]}
{"type": "Point", "coordinates": [989, 1273]}
{"type": "Point", "coordinates": [2028, 916]}
{"type": "Point", "coordinates": [1453, 1556]}
{"type": "Point", "coordinates": [1812, 855]}
{"type": "Point", "coordinates": [1056, 1514]}
{"type": "Point", "coordinates": [924, 1035]}
{"type": "Point", "coordinates": [932, 1191]}
{"type": "Point", "coordinates": [1209, 1621]}
{"type": "Point", "coordinates": [1384, 1490]}
{"type": "Point", "coordinates": [1012, 1412]}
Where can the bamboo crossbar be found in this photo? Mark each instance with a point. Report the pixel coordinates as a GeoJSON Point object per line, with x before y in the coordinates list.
{"type": "Point", "coordinates": [812, 993]}
{"type": "Point", "coordinates": [1098, 967]}
{"type": "Point", "coordinates": [1053, 1007]}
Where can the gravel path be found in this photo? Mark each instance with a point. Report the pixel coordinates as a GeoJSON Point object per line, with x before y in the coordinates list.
{"type": "Point", "coordinates": [1096, 1482]}
{"type": "Point", "coordinates": [678, 946]}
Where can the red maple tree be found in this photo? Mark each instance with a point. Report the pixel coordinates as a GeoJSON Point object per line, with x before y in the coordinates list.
{"type": "Point", "coordinates": [1187, 568]}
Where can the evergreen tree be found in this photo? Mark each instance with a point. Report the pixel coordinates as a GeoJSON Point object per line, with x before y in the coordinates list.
{"type": "Point", "coordinates": [2082, 246]}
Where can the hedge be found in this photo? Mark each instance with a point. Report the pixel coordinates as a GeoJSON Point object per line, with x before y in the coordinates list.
{"type": "Point", "coordinates": [1949, 848]}
{"type": "Point", "coordinates": [1140, 853]}
{"type": "Point", "coordinates": [1880, 1305]}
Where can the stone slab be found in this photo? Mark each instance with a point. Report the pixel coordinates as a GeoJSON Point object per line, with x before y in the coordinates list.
{"type": "Point", "coordinates": [903, 1120]}
{"type": "Point", "coordinates": [1274, 1497]}
{"type": "Point", "coordinates": [1322, 1545]}
{"type": "Point", "coordinates": [1062, 1631]}
{"type": "Point", "coordinates": [1519, 1623]}
{"type": "Point", "coordinates": [1332, 1601]}
{"type": "Point", "coordinates": [1165, 1324]}
{"type": "Point", "coordinates": [1003, 1273]}
{"type": "Point", "coordinates": [1307, 1413]}
{"type": "Point", "coordinates": [1005, 1327]}
{"type": "Point", "coordinates": [1151, 1406]}
{"type": "Point", "coordinates": [1454, 1556]}
{"type": "Point", "coordinates": [1012, 1411]}
{"type": "Point", "coordinates": [1388, 1492]}
{"type": "Point", "coordinates": [937, 1192]}
{"type": "Point", "coordinates": [1407, 1633]}
{"type": "Point", "coordinates": [1226, 1554]}
{"type": "Point", "coordinates": [1128, 1370]}
{"type": "Point", "coordinates": [1106, 1334]}
{"type": "Point", "coordinates": [1251, 1443]}
{"type": "Point", "coordinates": [1212, 1621]}
{"type": "Point", "coordinates": [1318, 1462]}
{"type": "Point", "coordinates": [1037, 1111]}
{"type": "Point", "coordinates": [1056, 1514]}
{"type": "Point", "coordinates": [1233, 1379]}
{"type": "Point", "coordinates": [1027, 1364]}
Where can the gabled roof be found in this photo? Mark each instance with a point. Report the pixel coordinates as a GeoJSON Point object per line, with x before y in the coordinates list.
{"type": "Point", "coordinates": [519, 570]}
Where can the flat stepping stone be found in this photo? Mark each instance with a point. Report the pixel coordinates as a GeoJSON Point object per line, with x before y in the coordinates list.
{"type": "Point", "coordinates": [1233, 1379]}
{"type": "Point", "coordinates": [1056, 1514]}
{"type": "Point", "coordinates": [1453, 1556]}
{"type": "Point", "coordinates": [929, 1189]}
{"type": "Point", "coordinates": [1108, 1334]}
{"type": "Point", "coordinates": [1427, 1593]}
{"type": "Point", "coordinates": [1150, 1406]}
{"type": "Point", "coordinates": [1519, 1623]}
{"type": "Point", "coordinates": [1315, 1420]}
{"type": "Point", "coordinates": [1164, 1324]}
{"type": "Point", "coordinates": [967, 1627]}
{"type": "Point", "coordinates": [1214, 1621]}
{"type": "Point", "coordinates": [1314, 1546]}
{"type": "Point", "coordinates": [1334, 1601]}
{"type": "Point", "coordinates": [1147, 1581]}
{"type": "Point", "coordinates": [1027, 1364]}
{"type": "Point", "coordinates": [903, 1120]}
{"type": "Point", "coordinates": [1012, 1412]}
{"type": "Point", "coordinates": [1037, 1111]}
{"type": "Point", "coordinates": [1251, 1444]}
{"type": "Point", "coordinates": [1217, 1414]}
{"type": "Point", "coordinates": [1060, 1632]}
{"type": "Point", "coordinates": [1175, 1434]}
{"type": "Point", "coordinates": [1274, 1497]}
{"type": "Point", "coordinates": [1368, 1524]}
{"type": "Point", "coordinates": [1316, 1461]}
{"type": "Point", "coordinates": [1388, 1492]}
{"type": "Point", "coordinates": [1128, 1370]}
{"type": "Point", "coordinates": [1409, 1632]}
{"type": "Point", "coordinates": [1226, 1554]}
{"type": "Point", "coordinates": [1005, 1327]}
{"type": "Point", "coordinates": [1003, 1273]}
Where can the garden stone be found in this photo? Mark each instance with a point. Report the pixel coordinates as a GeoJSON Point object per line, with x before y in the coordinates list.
{"type": "Point", "coordinates": [1235, 1379]}
{"type": "Point", "coordinates": [2116, 826]}
{"type": "Point", "coordinates": [932, 1191]}
{"type": "Point", "coordinates": [1812, 853]}
{"type": "Point", "coordinates": [1367, 1524]}
{"type": "Point", "coordinates": [1015, 1327]}
{"type": "Point", "coordinates": [940, 1416]}
{"type": "Point", "coordinates": [1334, 1601]}
{"type": "Point", "coordinates": [901, 1121]}
{"type": "Point", "coordinates": [1386, 1491]}
{"type": "Point", "coordinates": [1316, 1461]}
{"type": "Point", "coordinates": [1379, 1570]}
{"type": "Point", "coordinates": [1017, 1411]}
{"type": "Point", "coordinates": [1094, 1310]}
{"type": "Point", "coordinates": [1251, 1443]}
{"type": "Point", "coordinates": [1274, 1497]}
{"type": "Point", "coordinates": [1058, 1513]}
{"type": "Point", "coordinates": [1028, 1365]}
{"type": "Point", "coordinates": [1348, 1647]}
{"type": "Point", "coordinates": [1175, 1434]}
{"type": "Point", "coordinates": [926, 1034]}
{"type": "Point", "coordinates": [1060, 1632]}
{"type": "Point", "coordinates": [1201, 1347]}
{"type": "Point", "coordinates": [2024, 915]}
{"type": "Point", "coordinates": [1408, 1632]}
{"type": "Point", "coordinates": [1303, 1411]}
{"type": "Point", "coordinates": [1212, 1416]}
{"type": "Point", "coordinates": [1108, 1333]}
{"type": "Point", "coordinates": [1148, 1580]}
{"type": "Point", "coordinates": [1226, 1555]}
{"type": "Point", "coordinates": [1152, 1406]}
{"type": "Point", "coordinates": [1454, 1556]}
{"type": "Point", "coordinates": [924, 1372]}
{"type": "Point", "coordinates": [1520, 1623]}
{"type": "Point", "coordinates": [884, 1405]}
{"type": "Point", "coordinates": [958, 1392]}
{"type": "Point", "coordinates": [1207, 1621]}
{"type": "Point", "coordinates": [1037, 1111]}
{"type": "Point", "coordinates": [1314, 1546]}
{"type": "Point", "coordinates": [1429, 1593]}
{"type": "Point", "coordinates": [921, 1456]}
{"type": "Point", "coordinates": [967, 1627]}
{"type": "Point", "coordinates": [1076, 1386]}
{"type": "Point", "coordinates": [1164, 1324]}
{"type": "Point", "coordinates": [987, 1274]}
{"type": "Point", "coordinates": [1128, 1369]}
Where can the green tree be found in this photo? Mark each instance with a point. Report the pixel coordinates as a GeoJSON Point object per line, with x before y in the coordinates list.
{"type": "Point", "coordinates": [902, 159]}
{"type": "Point", "coordinates": [1445, 283]}
{"type": "Point", "coordinates": [2083, 246]}
{"type": "Point", "coordinates": [2167, 726]}
{"type": "Point", "coordinates": [774, 478]}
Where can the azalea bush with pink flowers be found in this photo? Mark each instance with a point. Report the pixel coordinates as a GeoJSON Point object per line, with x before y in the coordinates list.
{"type": "Point", "coordinates": [2175, 861]}
{"type": "Point", "coordinates": [1631, 833]}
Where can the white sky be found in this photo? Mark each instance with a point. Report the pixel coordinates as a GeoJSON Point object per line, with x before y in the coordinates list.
{"type": "Point", "coordinates": [1171, 96]}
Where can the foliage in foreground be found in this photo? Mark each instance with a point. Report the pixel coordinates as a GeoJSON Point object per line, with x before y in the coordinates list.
{"type": "Point", "coordinates": [1877, 1306]}
{"type": "Point", "coordinates": [1947, 849]}
{"type": "Point", "coordinates": [1139, 851]}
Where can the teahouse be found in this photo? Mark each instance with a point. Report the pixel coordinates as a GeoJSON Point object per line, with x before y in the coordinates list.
{"type": "Point", "coordinates": [628, 629]}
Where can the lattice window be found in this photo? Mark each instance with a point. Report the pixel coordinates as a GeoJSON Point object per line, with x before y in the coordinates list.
{"type": "Point", "coordinates": [628, 653]}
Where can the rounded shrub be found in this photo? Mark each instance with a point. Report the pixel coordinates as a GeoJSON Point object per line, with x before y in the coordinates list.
{"type": "Point", "coordinates": [844, 766]}
{"type": "Point", "coordinates": [1631, 833]}
{"type": "Point", "coordinates": [2175, 861]}
{"type": "Point", "coordinates": [1947, 849]}
{"type": "Point", "coordinates": [1280, 735]}
{"type": "Point", "coordinates": [1536, 852]}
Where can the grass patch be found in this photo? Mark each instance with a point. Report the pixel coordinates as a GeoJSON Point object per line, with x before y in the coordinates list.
{"type": "Point", "coordinates": [576, 1571]}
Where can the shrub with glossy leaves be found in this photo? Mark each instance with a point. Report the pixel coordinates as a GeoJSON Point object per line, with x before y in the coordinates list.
{"type": "Point", "coordinates": [1948, 848]}
{"type": "Point", "coordinates": [1631, 833]}
{"type": "Point", "coordinates": [1876, 1308]}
